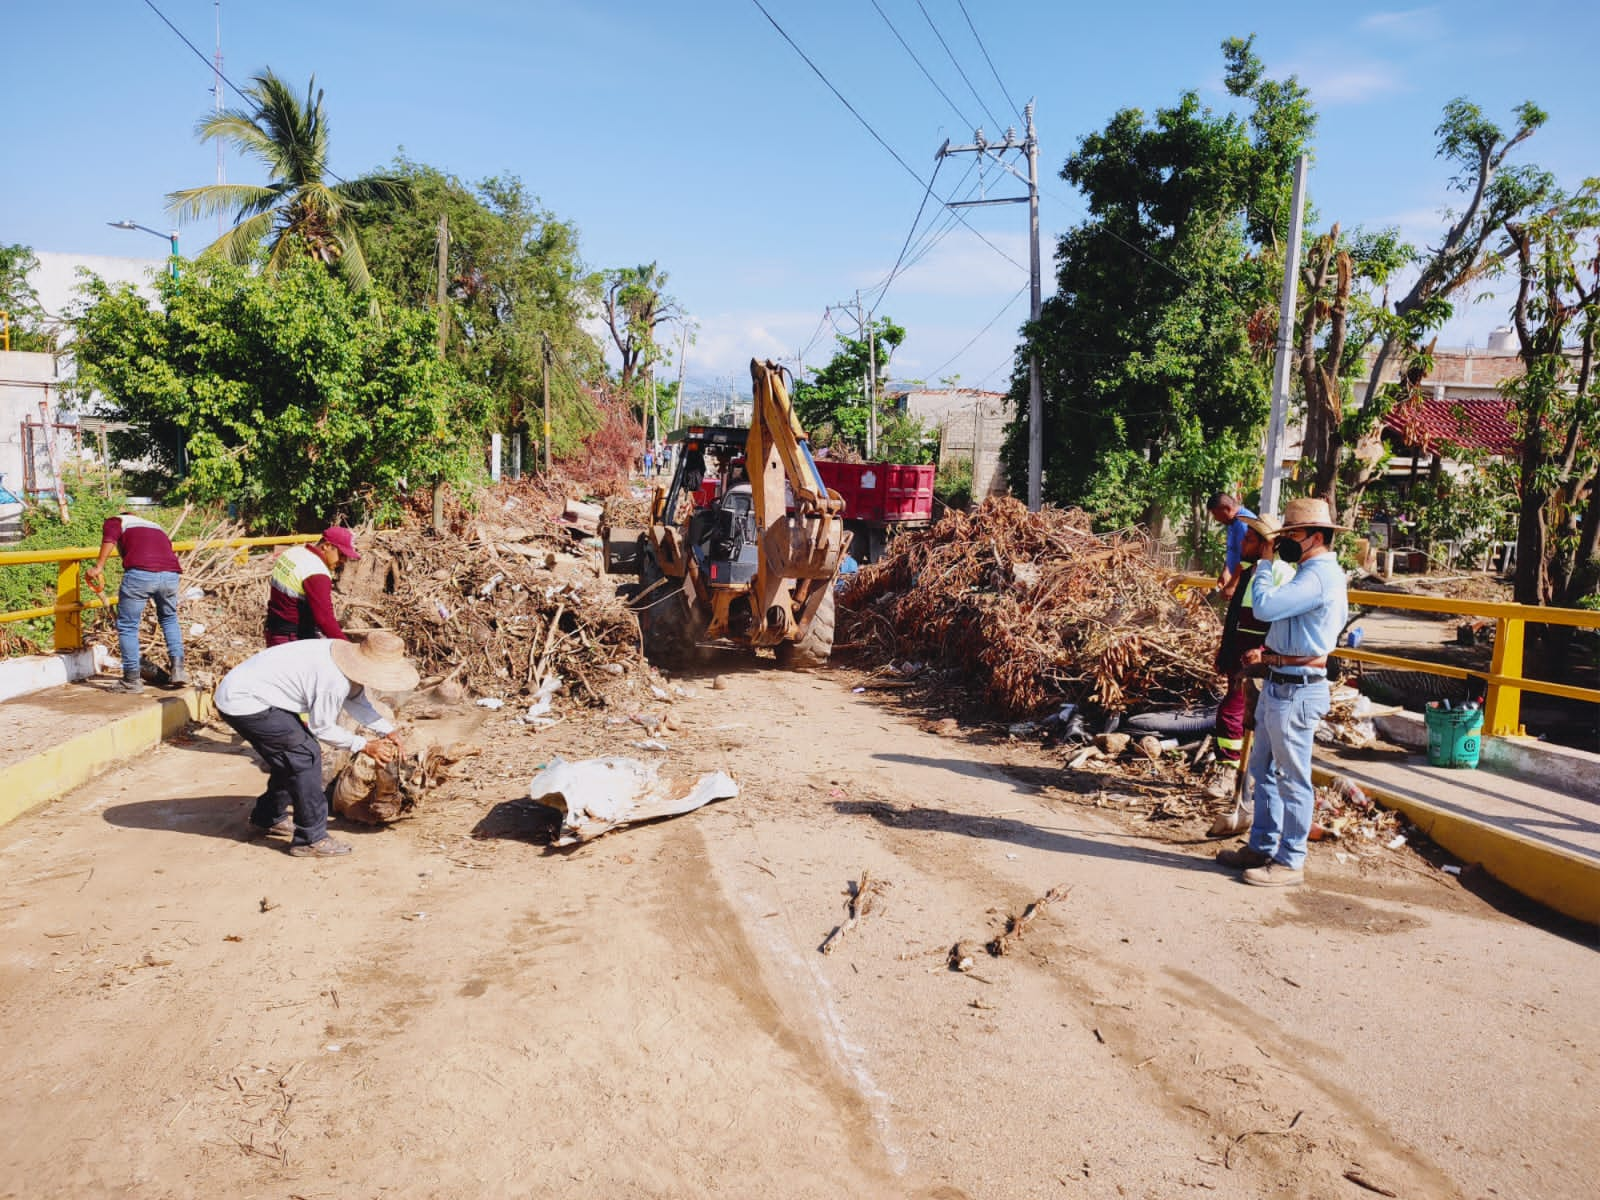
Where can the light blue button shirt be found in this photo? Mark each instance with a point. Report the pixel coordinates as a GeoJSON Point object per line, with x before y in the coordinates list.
{"type": "Point", "coordinates": [1307, 612]}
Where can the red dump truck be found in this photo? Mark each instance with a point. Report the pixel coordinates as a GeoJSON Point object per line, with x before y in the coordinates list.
{"type": "Point", "coordinates": [879, 498]}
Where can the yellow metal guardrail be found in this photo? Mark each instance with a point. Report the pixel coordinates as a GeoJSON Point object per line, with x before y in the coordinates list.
{"type": "Point", "coordinates": [1502, 704]}
{"type": "Point", "coordinates": [70, 606]}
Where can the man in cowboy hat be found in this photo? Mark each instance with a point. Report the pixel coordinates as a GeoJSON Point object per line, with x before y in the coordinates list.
{"type": "Point", "coordinates": [1242, 631]}
{"type": "Point", "coordinates": [263, 699]}
{"type": "Point", "coordinates": [1306, 615]}
{"type": "Point", "coordinates": [300, 601]}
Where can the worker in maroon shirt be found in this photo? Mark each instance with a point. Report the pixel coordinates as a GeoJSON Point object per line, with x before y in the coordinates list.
{"type": "Point", "coordinates": [150, 570]}
{"type": "Point", "coordinates": [300, 602]}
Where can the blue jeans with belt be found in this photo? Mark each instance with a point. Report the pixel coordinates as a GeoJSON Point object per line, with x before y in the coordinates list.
{"type": "Point", "coordinates": [1287, 716]}
{"type": "Point", "coordinates": [138, 589]}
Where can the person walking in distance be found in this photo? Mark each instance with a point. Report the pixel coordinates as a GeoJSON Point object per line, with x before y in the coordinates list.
{"type": "Point", "coordinates": [300, 601]}
{"type": "Point", "coordinates": [1242, 631]}
{"type": "Point", "coordinates": [150, 571]}
{"type": "Point", "coordinates": [1226, 511]}
{"type": "Point", "coordinates": [1306, 615]}
{"type": "Point", "coordinates": [263, 700]}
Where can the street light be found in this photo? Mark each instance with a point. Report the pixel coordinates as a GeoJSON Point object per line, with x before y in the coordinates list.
{"type": "Point", "coordinates": [171, 237]}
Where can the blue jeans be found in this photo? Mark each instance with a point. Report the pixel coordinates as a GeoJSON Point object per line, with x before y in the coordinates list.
{"type": "Point", "coordinates": [1287, 717]}
{"type": "Point", "coordinates": [138, 589]}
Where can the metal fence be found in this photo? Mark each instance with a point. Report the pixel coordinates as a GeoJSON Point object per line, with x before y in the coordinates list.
{"type": "Point", "coordinates": [70, 606]}
{"type": "Point", "coordinates": [1504, 680]}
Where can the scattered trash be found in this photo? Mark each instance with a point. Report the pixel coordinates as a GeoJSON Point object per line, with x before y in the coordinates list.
{"type": "Point", "coordinates": [1396, 842]}
{"type": "Point", "coordinates": [855, 690]}
{"type": "Point", "coordinates": [596, 795]}
{"type": "Point", "coordinates": [960, 957]}
{"type": "Point", "coordinates": [1016, 926]}
{"type": "Point", "coordinates": [196, 629]}
{"type": "Point", "coordinates": [194, 593]}
{"type": "Point", "coordinates": [649, 744]}
{"type": "Point", "coordinates": [269, 905]}
{"type": "Point", "coordinates": [492, 703]}
{"type": "Point", "coordinates": [1450, 869]}
{"type": "Point", "coordinates": [1112, 744]}
{"type": "Point", "coordinates": [860, 899]}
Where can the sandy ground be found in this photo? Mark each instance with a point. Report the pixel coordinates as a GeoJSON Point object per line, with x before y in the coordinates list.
{"type": "Point", "coordinates": [455, 1010]}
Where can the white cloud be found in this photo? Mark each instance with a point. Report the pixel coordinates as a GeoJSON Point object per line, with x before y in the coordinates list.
{"type": "Point", "coordinates": [1404, 23]}
{"type": "Point", "coordinates": [961, 265]}
{"type": "Point", "coordinates": [1350, 81]}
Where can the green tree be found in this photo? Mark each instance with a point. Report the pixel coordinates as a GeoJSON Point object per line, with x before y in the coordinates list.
{"type": "Point", "coordinates": [298, 212]}
{"type": "Point", "coordinates": [513, 278]}
{"type": "Point", "coordinates": [832, 404]}
{"type": "Point", "coordinates": [284, 395]}
{"type": "Point", "coordinates": [31, 327]}
{"type": "Point", "coordinates": [1556, 315]}
{"type": "Point", "coordinates": [1491, 192]}
{"type": "Point", "coordinates": [636, 305]}
{"type": "Point", "coordinates": [1154, 393]}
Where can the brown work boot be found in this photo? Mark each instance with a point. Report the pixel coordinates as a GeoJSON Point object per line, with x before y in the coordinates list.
{"type": "Point", "coordinates": [1242, 858]}
{"type": "Point", "coordinates": [282, 828]}
{"type": "Point", "coordinates": [326, 848]}
{"type": "Point", "coordinates": [1223, 779]}
{"type": "Point", "coordinates": [1275, 874]}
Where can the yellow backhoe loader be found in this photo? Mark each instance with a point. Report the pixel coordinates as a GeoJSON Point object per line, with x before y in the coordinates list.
{"type": "Point", "coordinates": [743, 544]}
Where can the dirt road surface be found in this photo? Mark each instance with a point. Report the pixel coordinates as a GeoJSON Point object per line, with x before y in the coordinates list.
{"type": "Point", "coordinates": [454, 1010]}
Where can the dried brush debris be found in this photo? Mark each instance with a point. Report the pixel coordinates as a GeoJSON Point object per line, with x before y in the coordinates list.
{"type": "Point", "coordinates": [1035, 609]}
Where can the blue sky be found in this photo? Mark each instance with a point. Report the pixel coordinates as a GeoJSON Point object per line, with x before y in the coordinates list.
{"type": "Point", "coordinates": [693, 135]}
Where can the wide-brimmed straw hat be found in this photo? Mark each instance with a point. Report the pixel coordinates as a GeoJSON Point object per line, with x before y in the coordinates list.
{"type": "Point", "coordinates": [1267, 526]}
{"type": "Point", "coordinates": [378, 661]}
{"type": "Point", "coordinates": [1309, 513]}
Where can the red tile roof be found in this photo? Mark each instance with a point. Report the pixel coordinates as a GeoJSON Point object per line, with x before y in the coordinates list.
{"type": "Point", "coordinates": [1473, 422]}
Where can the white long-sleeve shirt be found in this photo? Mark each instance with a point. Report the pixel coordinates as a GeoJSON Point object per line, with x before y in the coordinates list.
{"type": "Point", "coordinates": [300, 677]}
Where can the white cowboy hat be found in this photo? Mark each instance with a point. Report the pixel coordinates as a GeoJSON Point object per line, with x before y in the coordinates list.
{"type": "Point", "coordinates": [378, 661]}
{"type": "Point", "coordinates": [1309, 513]}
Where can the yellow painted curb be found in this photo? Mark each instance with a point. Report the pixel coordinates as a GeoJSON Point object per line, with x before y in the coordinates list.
{"type": "Point", "coordinates": [55, 771]}
{"type": "Point", "coordinates": [1559, 879]}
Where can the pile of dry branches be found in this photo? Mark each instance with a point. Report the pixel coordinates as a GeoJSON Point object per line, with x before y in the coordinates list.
{"type": "Point", "coordinates": [1036, 609]}
{"type": "Point", "coordinates": [500, 607]}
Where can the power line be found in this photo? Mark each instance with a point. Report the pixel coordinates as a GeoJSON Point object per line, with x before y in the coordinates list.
{"type": "Point", "coordinates": [981, 104]}
{"type": "Point", "coordinates": [210, 66]}
{"type": "Point", "coordinates": [867, 125]}
{"type": "Point", "coordinates": [965, 120]}
{"type": "Point", "coordinates": [1015, 107]}
{"type": "Point", "coordinates": [915, 221]}
{"type": "Point", "coordinates": [934, 374]}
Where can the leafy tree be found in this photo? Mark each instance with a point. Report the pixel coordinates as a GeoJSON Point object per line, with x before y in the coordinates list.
{"type": "Point", "coordinates": [31, 327]}
{"type": "Point", "coordinates": [513, 278]}
{"type": "Point", "coordinates": [1332, 292]}
{"type": "Point", "coordinates": [1557, 253]}
{"type": "Point", "coordinates": [636, 305]}
{"type": "Point", "coordinates": [1493, 193]}
{"type": "Point", "coordinates": [832, 404]}
{"type": "Point", "coordinates": [298, 212]}
{"type": "Point", "coordinates": [1154, 395]}
{"type": "Point", "coordinates": [286, 396]}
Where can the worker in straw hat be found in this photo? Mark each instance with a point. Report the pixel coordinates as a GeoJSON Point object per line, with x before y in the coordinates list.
{"type": "Point", "coordinates": [263, 699]}
{"type": "Point", "coordinates": [1306, 614]}
{"type": "Point", "coordinates": [1242, 631]}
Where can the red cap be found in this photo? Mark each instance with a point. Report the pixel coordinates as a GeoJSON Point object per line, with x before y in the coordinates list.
{"type": "Point", "coordinates": [340, 538]}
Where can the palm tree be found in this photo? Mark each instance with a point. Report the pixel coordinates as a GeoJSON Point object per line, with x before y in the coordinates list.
{"type": "Point", "coordinates": [298, 211]}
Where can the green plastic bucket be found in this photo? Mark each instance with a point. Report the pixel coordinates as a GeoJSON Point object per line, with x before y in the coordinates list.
{"type": "Point", "coordinates": [1454, 736]}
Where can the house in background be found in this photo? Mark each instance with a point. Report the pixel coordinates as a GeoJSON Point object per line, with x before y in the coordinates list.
{"type": "Point", "coordinates": [971, 425]}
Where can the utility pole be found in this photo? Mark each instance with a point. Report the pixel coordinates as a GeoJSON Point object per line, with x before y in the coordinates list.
{"type": "Point", "coordinates": [1278, 421]}
{"type": "Point", "coordinates": [441, 256]}
{"type": "Point", "coordinates": [546, 339]}
{"type": "Point", "coordinates": [1028, 145]}
{"type": "Point", "coordinates": [683, 361]}
{"type": "Point", "coordinates": [441, 250]}
{"type": "Point", "coordinates": [216, 95]}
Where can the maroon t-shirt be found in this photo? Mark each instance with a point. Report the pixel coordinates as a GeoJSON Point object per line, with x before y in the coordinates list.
{"type": "Point", "coordinates": [143, 545]}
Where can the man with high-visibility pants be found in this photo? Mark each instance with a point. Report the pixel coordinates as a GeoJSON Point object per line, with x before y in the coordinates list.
{"type": "Point", "coordinates": [300, 602]}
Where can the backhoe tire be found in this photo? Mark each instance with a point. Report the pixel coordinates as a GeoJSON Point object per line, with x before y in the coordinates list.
{"type": "Point", "coordinates": [813, 649]}
{"type": "Point", "coordinates": [667, 624]}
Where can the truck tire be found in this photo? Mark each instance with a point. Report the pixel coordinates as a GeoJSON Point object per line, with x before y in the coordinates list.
{"type": "Point", "coordinates": [813, 649]}
{"type": "Point", "coordinates": [667, 622]}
